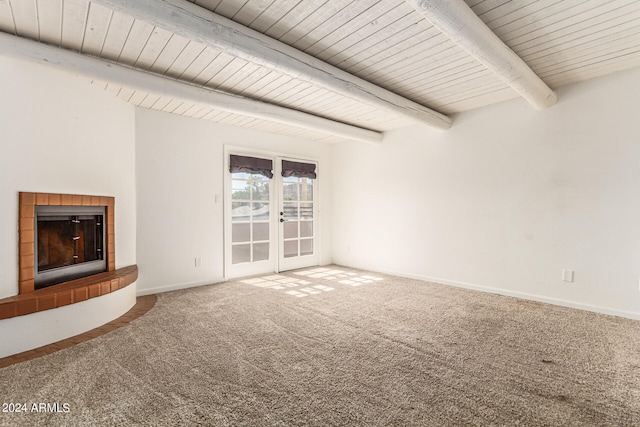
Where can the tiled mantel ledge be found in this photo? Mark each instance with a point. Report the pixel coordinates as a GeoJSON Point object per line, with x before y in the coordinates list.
{"type": "Point", "coordinates": [68, 293]}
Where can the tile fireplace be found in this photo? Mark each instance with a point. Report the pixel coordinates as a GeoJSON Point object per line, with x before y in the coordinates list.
{"type": "Point", "coordinates": [83, 224]}
{"type": "Point", "coordinates": [64, 237]}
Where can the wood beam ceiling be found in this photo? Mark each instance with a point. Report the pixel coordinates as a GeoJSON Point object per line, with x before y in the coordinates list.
{"type": "Point", "coordinates": [94, 68]}
{"type": "Point", "coordinates": [199, 24]}
{"type": "Point", "coordinates": [458, 22]}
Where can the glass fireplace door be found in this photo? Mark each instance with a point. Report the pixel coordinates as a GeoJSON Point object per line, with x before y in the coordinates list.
{"type": "Point", "coordinates": [69, 243]}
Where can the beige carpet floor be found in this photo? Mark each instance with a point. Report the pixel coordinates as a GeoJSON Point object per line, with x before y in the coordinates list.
{"type": "Point", "coordinates": [335, 346]}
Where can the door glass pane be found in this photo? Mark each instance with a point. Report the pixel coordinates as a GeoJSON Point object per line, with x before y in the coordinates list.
{"type": "Point", "coordinates": [260, 211]}
{"type": "Point", "coordinates": [306, 189]}
{"type": "Point", "coordinates": [240, 190]}
{"type": "Point", "coordinates": [261, 231]}
{"type": "Point", "coordinates": [291, 230]}
{"type": "Point", "coordinates": [306, 228]}
{"type": "Point", "coordinates": [241, 232]}
{"type": "Point", "coordinates": [260, 251]}
{"type": "Point", "coordinates": [241, 175]}
{"type": "Point", "coordinates": [290, 189]}
{"type": "Point", "coordinates": [306, 246]}
{"type": "Point", "coordinates": [260, 190]}
{"type": "Point", "coordinates": [291, 248]}
{"type": "Point", "coordinates": [306, 210]}
{"type": "Point", "coordinates": [240, 254]}
{"type": "Point", "coordinates": [290, 210]}
{"type": "Point", "coordinates": [240, 211]}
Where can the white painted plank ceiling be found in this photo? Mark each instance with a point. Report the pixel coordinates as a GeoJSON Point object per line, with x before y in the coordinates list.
{"type": "Point", "coordinates": [385, 42]}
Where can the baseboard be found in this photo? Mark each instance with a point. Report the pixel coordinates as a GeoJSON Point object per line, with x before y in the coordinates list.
{"type": "Point", "coordinates": [178, 286]}
{"type": "Point", "coordinates": [515, 294]}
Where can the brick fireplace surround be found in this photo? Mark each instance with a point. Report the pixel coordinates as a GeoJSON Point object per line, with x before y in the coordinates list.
{"type": "Point", "coordinates": [31, 300]}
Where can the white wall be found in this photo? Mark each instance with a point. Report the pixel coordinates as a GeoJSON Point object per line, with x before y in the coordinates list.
{"type": "Point", "coordinates": [60, 134]}
{"type": "Point", "coordinates": [179, 171]}
{"type": "Point", "coordinates": [505, 199]}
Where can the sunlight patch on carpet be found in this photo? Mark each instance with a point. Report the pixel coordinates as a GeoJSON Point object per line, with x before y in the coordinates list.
{"type": "Point", "coordinates": [284, 283]}
{"type": "Point", "coordinates": [348, 277]}
{"type": "Point", "coordinates": [306, 287]}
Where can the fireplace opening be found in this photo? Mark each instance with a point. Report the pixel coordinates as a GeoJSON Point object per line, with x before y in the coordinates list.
{"type": "Point", "coordinates": [69, 243]}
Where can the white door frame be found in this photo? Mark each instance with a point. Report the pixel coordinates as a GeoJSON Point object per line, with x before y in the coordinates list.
{"type": "Point", "coordinates": [272, 264]}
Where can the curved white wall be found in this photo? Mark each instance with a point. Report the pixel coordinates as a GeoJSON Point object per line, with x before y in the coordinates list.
{"type": "Point", "coordinates": [506, 199]}
{"type": "Point", "coordinates": [35, 330]}
{"type": "Point", "coordinates": [60, 134]}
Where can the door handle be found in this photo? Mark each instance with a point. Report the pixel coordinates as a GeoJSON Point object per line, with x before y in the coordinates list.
{"type": "Point", "coordinates": [282, 220]}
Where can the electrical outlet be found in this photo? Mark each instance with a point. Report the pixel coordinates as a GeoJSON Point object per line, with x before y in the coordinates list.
{"type": "Point", "coordinates": [198, 262]}
{"type": "Point", "coordinates": [567, 275]}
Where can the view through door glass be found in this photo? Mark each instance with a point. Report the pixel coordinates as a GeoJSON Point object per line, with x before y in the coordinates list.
{"type": "Point", "coordinates": [250, 212]}
{"type": "Point", "coordinates": [297, 216]}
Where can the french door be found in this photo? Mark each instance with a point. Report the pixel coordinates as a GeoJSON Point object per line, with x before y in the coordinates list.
{"type": "Point", "coordinates": [271, 218]}
{"type": "Point", "coordinates": [297, 215]}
